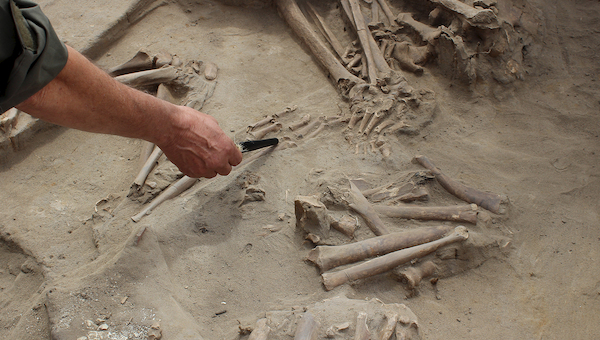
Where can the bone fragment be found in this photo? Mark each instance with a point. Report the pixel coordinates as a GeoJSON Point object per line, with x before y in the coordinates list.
{"type": "Point", "coordinates": [328, 257]}
{"type": "Point", "coordinates": [401, 53]}
{"type": "Point", "coordinates": [147, 148]}
{"type": "Point", "coordinates": [317, 131]}
{"type": "Point", "coordinates": [180, 186]}
{"type": "Point", "coordinates": [271, 118]}
{"type": "Point", "coordinates": [301, 133]}
{"type": "Point", "coordinates": [389, 261]}
{"type": "Point", "coordinates": [362, 329]}
{"type": "Point", "coordinates": [210, 70]}
{"type": "Point", "coordinates": [164, 93]}
{"type": "Point", "coordinates": [346, 225]}
{"type": "Point", "coordinates": [476, 17]}
{"type": "Point", "coordinates": [263, 132]}
{"type": "Point", "coordinates": [427, 33]}
{"type": "Point", "coordinates": [293, 16]}
{"type": "Point", "coordinates": [312, 216]}
{"type": "Point", "coordinates": [413, 275]}
{"type": "Point", "coordinates": [375, 8]}
{"type": "Point", "coordinates": [149, 77]}
{"type": "Point", "coordinates": [150, 163]}
{"type": "Point", "coordinates": [163, 59]}
{"type": "Point", "coordinates": [9, 120]}
{"type": "Point", "coordinates": [261, 331]}
{"type": "Point", "coordinates": [364, 209]}
{"type": "Point", "coordinates": [487, 200]}
{"type": "Point", "coordinates": [354, 61]}
{"type": "Point", "coordinates": [302, 122]}
{"type": "Point", "coordinates": [388, 327]}
{"type": "Point", "coordinates": [398, 126]}
{"type": "Point", "coordinates": [140, 62]}
{"type": "Point", "coordinates": [457, 213]}
{"type": "Point", "coordinates": [308, 328]}
{"type": "Point", "coordinates": [331, 38]}
{"type": "Point", "coordinates": [374, 120]}
{"type": "Point", "coordinates": [365, 120]}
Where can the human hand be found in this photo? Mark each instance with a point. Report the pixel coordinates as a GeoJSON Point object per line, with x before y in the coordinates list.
{"type": "Point", "coordinates": [198, 147]}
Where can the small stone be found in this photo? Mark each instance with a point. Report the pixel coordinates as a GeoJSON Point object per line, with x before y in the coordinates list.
{"type": "Point", "coordinates": [124, 299]}
{"type": "Point", "coordinates": [103, 327]}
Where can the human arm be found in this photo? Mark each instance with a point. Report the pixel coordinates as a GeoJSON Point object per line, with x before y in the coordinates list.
{"type": "Point", "coordinates": [86, 98]}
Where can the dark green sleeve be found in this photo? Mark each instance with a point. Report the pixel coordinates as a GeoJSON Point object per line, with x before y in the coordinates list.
{"type": "Point", "coordinates": [31, 54]}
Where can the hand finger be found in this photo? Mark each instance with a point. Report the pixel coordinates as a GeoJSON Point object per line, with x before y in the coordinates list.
{"type": "Point", "coordinates": [225, 170]}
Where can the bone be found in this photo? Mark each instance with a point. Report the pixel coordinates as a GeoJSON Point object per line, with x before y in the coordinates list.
{"type": "Point", "coordinates": [427, 33]}
{"type": "Point", "coordinates": [8, 120]}
{"type": "Point", "coordinates": [317, 131]}
{"type": "Point", "coordinates": [413, 275]}
{"type": "Point", "coordinates": [163, 59]}
{"type": "Point", "coordinates": [308, 328]}
{"type": "Point", "coordinates": [484, 18]}
{"type": "Point", "coordinates": [387, 10]}
{"type": "Point", "coordinates": [383, 126]}
{"type": "Point", "coordinates": [362, 329]}
{"type": "Point", "coordinates": [389, 191]}
{"type": "Point", "coordinates": [346, 225]}
{"type": "Point", "coordinates": [260, 134]}
{"type": "Point", "coordinates": [387, 327]}
{"type": "Point", "coordinates": [175, 189]}
{"type": "Point", "coordinates": [140, 62]}
{"type": "Point", "coordinates": [328, 257]}
{"type": "Point", "coordinates": [210, 70]}
{"type": "Point", "coordinates": [149, 77]}
{"type": "Point", "coordinates": [389, 261]}
{"type": "Point", "coordinates": [398, 126]}
{"type": "Point", "coordinates": [374, 120]}
{"type": "Point", "coordinates": [401, 53]}
{"type": "Point", "coordinates": [261, 331]}
{"type": "Point", "coordinates": [293, 16]}
{"type": "Point", "coordinates": [487, 200]}
{"type": "Point", "coordinates": [301, 133]}
{"type": "Point", "coordinates": [375, 9]}
{"type": "Point", "coordinates": [458, 213]}
{"type": "Point", "coordinates": [150, 163]}
{"type": "Point", "coordinates": [312, 217]}
{"type": "Point", "coordinates": [364, 209]}
{"type": "Point", "coordinates": [365, 120]}
{"type": "Point", "coordinates": [302, 122]}
{"type": "Point", "coordinates": [164, 93]}
{"type": "Point", "coordinates": [363, 35]}
{"type": "Point", "coordinates": [271, 118]}
{"type": "Point", "coordinates": [331, 38]}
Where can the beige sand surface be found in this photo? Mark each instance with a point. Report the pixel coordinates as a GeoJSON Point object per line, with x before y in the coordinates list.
{"type": "Point", "coordinates": [205, 264]}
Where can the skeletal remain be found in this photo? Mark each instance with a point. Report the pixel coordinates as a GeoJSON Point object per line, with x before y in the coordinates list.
{"type": "Point", "coordinates": [261, 331]}
{"type": "Point", "coordinates": [387, 10]}
{"type": "Point", "coordinates": [457, 213]}
{"type": "Point", "coordinates": [140, 62]}
{"type": "Point", "coordinates": [346, 225]}
{"type": "Point", "coordinates": [150, 163]}
{"type": "Point", "coordinates": [175, 189]}
{"type": "Point", "coordinates": [389, 261]}
{"type": "Point", "coordinates": [364, 209]}
{"type": "Point", "coordinates": [364, 35]}
{"type": "Point", "coordinates": [401, 53]}
{"type": "Point", "coordinates": [484, 18]}
{"type": "Point", "coordinates": [293, 16]}
{"type": "Point", "coordinates": [328, 257]}
{"type": "Point", "coordinates": [147, 149]}
{"type": "Point", "coordinates": [375, 8]}
{"type": "Point", "coordinates": [271, 118]}
{"type": "Point", "coordinates": [303, 131]}
{"type": "Point", "coordinates": [164, 93]}
{"type": "Point", "coordinates": [9, 120]}
{"type": "Point", "coordinates": [362, 329]}
{"type": "Point", "coordinates": [312, 216]}
{"type": "Point", "coordinates": [149, 77]}
{"type": "Point", "coordinates": [426, 33]}
{"type": "Point", "coordinates": [163, 59]}
{"type": "Point", "coordinates": [210, 70]}
{"type": "Point", "coordinates": [308, 328]}
{"type": "Point", "coordinates": [487, 200]}
{"type": "Point", "coordinates": [305, 120]}
{"type": "Point", "coordinates": [263, 132]}
{"type": "Point", "coordinates": [326, 31]}
{"type": "Point", "coordinates": [413, 275]}
{"type": "Point", "coordinates": [388, 327]}
{"type": "Point", "coordinates": [398, 126]}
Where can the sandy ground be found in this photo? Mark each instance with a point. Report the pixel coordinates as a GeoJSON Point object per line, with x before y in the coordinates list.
{"type": "Point", "coordinates": [205, 264]}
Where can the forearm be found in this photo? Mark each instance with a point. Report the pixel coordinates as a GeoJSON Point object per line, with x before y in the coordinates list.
{"type": "Point", "coordinates": [86, 98]}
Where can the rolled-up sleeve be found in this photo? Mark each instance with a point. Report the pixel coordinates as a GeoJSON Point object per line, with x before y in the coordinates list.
{"type": "Point", "coordinates": [31, 54]}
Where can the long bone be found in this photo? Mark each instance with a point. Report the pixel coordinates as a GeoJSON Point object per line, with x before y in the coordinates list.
{"type": "Point", "coordinates": [487, 200]}
{"type": "Point", "coordinates": [427, 33]}
{"type": "Point", "coordinates": [458, 213]}
{"type": "Point", "coordinates": [150, 163]}
{"type": "Point", "coordinates": [389, 261]}
{"type": "Point", "coordinates": [326, 31]}
{"type": "Point", "coordinates": [141, 61]}
{"type": "Point", "coordinates": [363, 35]}
{"type": "Point", "coordinates": [476, 17]}
{"type": "Point", "coordinates": [364, 209]}
{"type": "Point", "coordinates": [271, 118]}
{"type": "Point", "coordinates": [149, 77]}
{"type": "Point", "coordinates": [362, 329]}
{"type": "Point", "coordinates": [328, 257]}
{"type": "Point", "coordinates": [388, 12]}
{"type": "Point", "coordinates": [293, 16]}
